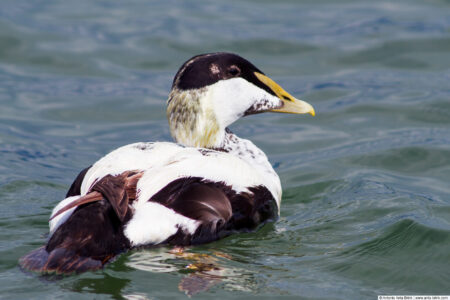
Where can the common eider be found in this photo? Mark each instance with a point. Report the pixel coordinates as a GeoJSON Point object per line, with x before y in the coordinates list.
{"type": "Point", "coordinates": [207, 185]}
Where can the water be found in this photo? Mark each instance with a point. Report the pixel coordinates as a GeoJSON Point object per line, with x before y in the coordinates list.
{"type": "Point", "coordinates": [366, 203]}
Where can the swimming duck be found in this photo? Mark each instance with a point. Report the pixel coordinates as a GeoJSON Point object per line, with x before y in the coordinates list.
{"type": "Point", "coordinates": [207, 185]}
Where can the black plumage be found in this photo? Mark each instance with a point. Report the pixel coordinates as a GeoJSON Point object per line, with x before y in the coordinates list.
{"type": "Point", "coordinates": [206, 69]}
{"type": "Point", "coordinates": [75, 187]}
{"type": "Point", "coordinates": [217, 206]}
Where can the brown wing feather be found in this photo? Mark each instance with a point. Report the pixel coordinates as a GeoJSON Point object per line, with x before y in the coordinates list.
{"type": "Point", "coordinates": [91, 197]}
{"type": "Point", "coordinates": [119, 190]}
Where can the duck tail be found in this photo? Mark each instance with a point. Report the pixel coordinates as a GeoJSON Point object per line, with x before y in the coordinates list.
{"type": "Point", "coordinates": [58, 261]}
{"type": "Point", "coordinates": [93, 234]}
{"type": "Point", "coordinates": [90, 237]}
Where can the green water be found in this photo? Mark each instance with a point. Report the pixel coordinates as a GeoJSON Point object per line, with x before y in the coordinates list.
{"type": "Point", "coordinates": [366, 202]}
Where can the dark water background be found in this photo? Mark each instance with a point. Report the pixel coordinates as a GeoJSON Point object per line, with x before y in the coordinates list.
{"type": "Point", "coordinates": [366, 203]}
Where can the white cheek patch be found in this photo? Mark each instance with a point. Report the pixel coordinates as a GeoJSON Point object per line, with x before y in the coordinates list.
{"type": "Point", "coordinates": [231, 98]}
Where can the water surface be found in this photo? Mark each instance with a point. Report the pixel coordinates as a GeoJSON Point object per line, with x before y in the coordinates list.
{"type": "Point", "coordinates": [366, 194]}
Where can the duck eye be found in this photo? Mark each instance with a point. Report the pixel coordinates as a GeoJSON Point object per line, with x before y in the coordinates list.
{"type": "Point", "coordinates": [233, 71]}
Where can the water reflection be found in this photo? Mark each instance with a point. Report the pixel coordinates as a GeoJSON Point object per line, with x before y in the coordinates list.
{"type": "Point", "coordinates": [105, 284]}
{"type": "Point", "coordinates": [201, 271]}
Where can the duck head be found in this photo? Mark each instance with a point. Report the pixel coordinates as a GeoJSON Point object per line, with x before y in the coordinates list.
{"type": "Point", "coordinates": [211, 91]}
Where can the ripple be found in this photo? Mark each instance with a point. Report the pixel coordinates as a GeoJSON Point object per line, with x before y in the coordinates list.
{"type": "Point", "coordinates": [152, 261]}
{"type": "Point", "coordinates": [410, 160]}
{"type": "Point", "coordinates": [394, 54]}
{"type": "Point", "coordinates": [408, 257]}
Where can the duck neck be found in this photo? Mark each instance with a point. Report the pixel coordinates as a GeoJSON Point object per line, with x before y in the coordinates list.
{"type": "Point", "coordinates": [191, 122]}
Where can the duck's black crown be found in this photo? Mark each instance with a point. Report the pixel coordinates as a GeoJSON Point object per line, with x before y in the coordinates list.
{"type": "Point", "coordinates": [206, 69]}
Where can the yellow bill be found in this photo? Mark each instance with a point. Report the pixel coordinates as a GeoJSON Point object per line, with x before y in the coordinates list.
{"type": "Point", "coordinates": [290, 104]}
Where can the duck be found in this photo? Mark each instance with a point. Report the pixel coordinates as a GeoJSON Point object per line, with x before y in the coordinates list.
{"type": "Point", "coordinates": [207, 185]}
